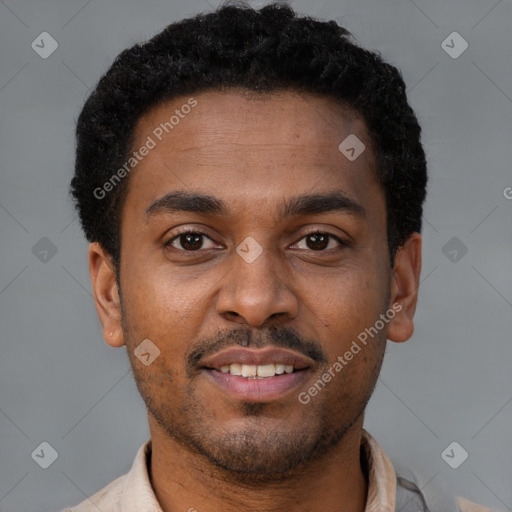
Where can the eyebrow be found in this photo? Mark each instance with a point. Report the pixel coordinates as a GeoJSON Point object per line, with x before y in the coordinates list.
{"type": "Point", "coordinates": [306, 204]}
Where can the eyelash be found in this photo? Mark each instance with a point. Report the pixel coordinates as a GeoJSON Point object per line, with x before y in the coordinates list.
{"type": "Point", "coordinates": [168, 244]}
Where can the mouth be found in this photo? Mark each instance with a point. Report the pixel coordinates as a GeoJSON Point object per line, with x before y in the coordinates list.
{"type": "Point", "coordinates": [260, 375]}
{"type": "Point", "coordinates": [260, 371]}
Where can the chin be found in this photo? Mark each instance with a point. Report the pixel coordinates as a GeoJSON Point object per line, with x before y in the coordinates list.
{"type": "Point", "coordinates": [256, 447]}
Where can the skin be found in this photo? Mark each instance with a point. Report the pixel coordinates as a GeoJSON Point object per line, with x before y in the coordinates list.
{"type": "Point", "coordinates": [211, 451]}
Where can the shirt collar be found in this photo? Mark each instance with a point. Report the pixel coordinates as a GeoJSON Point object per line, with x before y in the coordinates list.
{"type": "Point", "coordinates": [137, 493]}
{"type": "Point", "coordinates": [381, 477]}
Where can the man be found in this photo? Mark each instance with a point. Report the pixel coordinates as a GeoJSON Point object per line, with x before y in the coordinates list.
{"type": "Point", "coordinates": [251, 183]}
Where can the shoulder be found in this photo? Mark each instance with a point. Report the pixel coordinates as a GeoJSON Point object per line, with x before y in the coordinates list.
{"type": "Point", "coordinates": [398, 488]}
{"type": "Point", "coordinates": [469, 506]}
{"type": "Point", "coordinates": [411, 498]}
{"type": "Point", "coordinates": [132, 489]}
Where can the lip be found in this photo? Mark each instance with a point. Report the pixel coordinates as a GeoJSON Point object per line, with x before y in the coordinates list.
{"type": "Point", "coordinates": [257, 390]}
{"type": "Point", "coordinates": [267, 355]}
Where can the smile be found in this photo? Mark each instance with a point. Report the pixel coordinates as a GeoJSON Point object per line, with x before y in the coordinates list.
{"type": "Point", "coordinates": [257, 375]}
{"type": "Point", "coordinates": [261, 371]}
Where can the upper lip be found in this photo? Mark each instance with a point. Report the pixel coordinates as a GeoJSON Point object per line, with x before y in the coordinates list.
{"type": "Point", "coordinates": [268, 355]}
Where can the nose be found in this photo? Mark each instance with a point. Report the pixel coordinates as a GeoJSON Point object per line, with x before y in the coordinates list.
{"type": "Point", "coordinates": [256, 293]}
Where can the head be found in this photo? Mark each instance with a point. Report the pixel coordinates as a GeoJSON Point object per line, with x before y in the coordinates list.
{"type": "Point", "coordinates": [224, 211]}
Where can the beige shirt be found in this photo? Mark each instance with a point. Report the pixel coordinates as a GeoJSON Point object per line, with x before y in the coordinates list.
{"type": "Point", "coordinates": [133, 492]}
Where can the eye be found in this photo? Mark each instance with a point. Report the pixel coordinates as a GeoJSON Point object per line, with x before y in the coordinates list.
{"type": "Point", "coordinates": [190, 241]}
{"type": "Point", "coordinates": [320, 241]}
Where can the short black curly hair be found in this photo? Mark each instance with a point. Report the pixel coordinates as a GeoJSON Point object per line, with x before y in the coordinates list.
{"type": "Point", "coordinates": [263, 51]}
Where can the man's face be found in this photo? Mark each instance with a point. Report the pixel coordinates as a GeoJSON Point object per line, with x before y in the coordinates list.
{"type": "Point", "coordinates": [254, 283]}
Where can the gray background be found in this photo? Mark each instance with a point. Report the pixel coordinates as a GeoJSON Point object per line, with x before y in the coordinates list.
{"type": "Point", "coordinates": [62, 384]}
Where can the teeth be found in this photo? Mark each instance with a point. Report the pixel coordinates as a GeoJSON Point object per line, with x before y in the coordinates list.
{"type": "Point", "coordinates": [235, 369]}
{"type": "Point", "coordinates": [256, 371]}
{"type": "Point", "coordinates": [249, 370]}
{"type": "Point", "coordinates": [266, 370]}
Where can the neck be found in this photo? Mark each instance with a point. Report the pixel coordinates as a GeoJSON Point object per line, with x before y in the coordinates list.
{"type": "Point", "coordinates": [183, 480]}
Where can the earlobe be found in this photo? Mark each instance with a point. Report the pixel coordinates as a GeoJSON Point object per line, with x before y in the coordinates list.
{"type": "Point", "coordinates": [106, 294]}
{"type": "Point", "coordinates": [404, 288]}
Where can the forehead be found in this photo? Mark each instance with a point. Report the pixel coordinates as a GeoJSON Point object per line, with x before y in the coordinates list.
{"type": "Point", "coordinates": [250, 149]}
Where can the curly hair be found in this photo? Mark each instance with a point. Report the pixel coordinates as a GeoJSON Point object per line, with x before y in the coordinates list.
{"type": "Point", "coordinates": [263, 51]}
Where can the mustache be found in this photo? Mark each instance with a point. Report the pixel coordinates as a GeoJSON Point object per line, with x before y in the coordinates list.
{"type": "Point", "coordinates": [282, 337]}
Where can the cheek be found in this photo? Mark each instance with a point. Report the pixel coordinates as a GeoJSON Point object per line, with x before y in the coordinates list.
{"type": "Point", "coordinates": [352, 298]}
{"type": "Point", "coordinates": [153, 294]}
{"type": "Point", "coordinates": [353, 348]}
{"type": "Point", "coordinates": [346, 309]}
{"type": "Point", "coordinates": [156, 311]}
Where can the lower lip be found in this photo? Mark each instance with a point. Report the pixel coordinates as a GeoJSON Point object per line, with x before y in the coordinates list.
{"type": "Point", "coordinates": [257, 390]}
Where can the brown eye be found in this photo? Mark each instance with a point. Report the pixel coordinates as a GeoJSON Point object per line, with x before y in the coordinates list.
{"type": "Point", "coordinates": [190, 241]}
{"type": "Point", "coordinates": [319, 241]}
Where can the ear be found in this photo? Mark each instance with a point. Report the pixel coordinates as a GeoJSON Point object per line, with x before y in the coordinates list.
{"type": "Point", "coordinates": [106, 294]}
{"type": "Point", "coordinates": [405, 282]}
